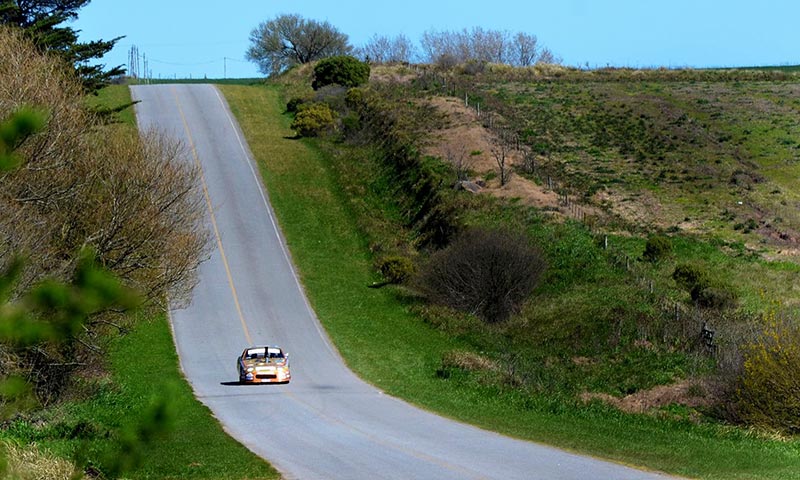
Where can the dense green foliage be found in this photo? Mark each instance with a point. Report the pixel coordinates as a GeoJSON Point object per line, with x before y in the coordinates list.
{"type": "Point", "coordinates": [313, 119]}
{"type": "Point", "coordinates": [341, 70]}
{"type": "Point", "coordinates": [657, 248]}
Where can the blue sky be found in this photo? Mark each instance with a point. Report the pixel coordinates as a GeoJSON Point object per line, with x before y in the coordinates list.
{"type": "Point", "coordinates": [190, 38]}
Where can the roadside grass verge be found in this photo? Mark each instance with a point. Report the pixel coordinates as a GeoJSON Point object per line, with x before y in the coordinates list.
{"type": "Point", "coordinates": [376, 330]}
{"type": "Point", "coordinates": [107, 409]}
{"type": "Point", "coordinates": [111, 97]}
{"type": "Point", "coordinates": [144, 373]}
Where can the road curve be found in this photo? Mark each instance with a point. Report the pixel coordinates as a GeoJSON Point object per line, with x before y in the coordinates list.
{"type": "Point", "coordinates": [326, 424]}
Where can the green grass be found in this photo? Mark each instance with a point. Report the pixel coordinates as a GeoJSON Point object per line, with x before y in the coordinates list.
{"type": "Point", "coordinates": [144, 373]}
{"type": "Point", "coordinates": [375, 330]}
{"type": "Point", "coordinates": [112, 97]}
{"type": "Point", "coordinates": [688, 150]}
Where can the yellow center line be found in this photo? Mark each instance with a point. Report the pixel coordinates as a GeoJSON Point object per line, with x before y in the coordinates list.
{"type": "Point", "coordinates": [213, 218]}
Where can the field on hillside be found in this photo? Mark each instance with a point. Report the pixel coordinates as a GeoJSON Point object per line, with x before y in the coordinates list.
{"type": "Point", "coordinates": [606, 348]}
{"type": "Point", "coordinates": [711, 160]}
{"type": "Point", "coordinates": [719, 158]}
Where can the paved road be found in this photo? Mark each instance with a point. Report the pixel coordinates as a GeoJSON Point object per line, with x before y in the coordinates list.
{"type": "Point", "coordinates": [327, 424]}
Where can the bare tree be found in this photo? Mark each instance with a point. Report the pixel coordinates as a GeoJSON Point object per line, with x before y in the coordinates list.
{"type": "Point", "coordinates": [456, 155]}
{"type": "Point", "coordinates": [402, 49]}
{"type": "Point", "coordinates": [487, 45]}
{"type": "Point", "coordinates": [376, 50]}
{"type": "Point", "coordinates": [382, 49]}
{"type": "Point", "coordinates": [524, 49]}
{"type": "Point", "coordinates": [486, 273]}
{"type": "Point", "coordinates": [134, 199]}
{"type": "Point", "coordinates": [484, 45]}
{"type": "Point", "coordinates": [500, 151]}
{"type": "Point", "coordinates": [288, 40]}
{"type": "Point", "coordinates": [436, 45]}
{"type": "Point", "coordinates": [546, 56]}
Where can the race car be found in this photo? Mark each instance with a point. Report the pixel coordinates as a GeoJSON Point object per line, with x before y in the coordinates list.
{"type": "Point", "coordinates": [267, 364]}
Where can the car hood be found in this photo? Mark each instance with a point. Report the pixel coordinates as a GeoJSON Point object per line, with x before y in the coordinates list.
{"type": "Point", "coordinates": [262, 363]}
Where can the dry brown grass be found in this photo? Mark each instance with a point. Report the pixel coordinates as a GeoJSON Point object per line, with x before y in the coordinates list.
{"type": "Point", "coordinates": [29, 463]}
{"type": "Point", "coordinates": [691, 393]}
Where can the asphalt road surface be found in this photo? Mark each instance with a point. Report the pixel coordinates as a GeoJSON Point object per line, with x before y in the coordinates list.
{"type": "Point", "coordinates": [326, 424]}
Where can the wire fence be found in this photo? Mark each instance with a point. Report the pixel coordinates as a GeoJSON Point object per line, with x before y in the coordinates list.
{"type": "Point", "coordinates": [674, 321]}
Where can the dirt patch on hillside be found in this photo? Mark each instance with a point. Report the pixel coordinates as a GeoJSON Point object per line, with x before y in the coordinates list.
{"type": "Point", "coordinates": [467, 144]}
{"type": "Point", "coordinates": [691, 393]}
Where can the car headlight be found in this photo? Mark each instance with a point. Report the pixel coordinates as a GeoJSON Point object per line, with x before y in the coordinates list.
{"type": "Point", "coordinates": [250, 369]}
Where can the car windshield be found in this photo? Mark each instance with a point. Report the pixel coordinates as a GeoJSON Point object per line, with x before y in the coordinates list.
{"type": "Point", "coordinates": [265, 354]}
{"type": "Point", "coordinates": [255, 353]}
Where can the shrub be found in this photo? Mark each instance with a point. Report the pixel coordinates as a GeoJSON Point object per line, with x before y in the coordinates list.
{"type": "Point", "coordinates": [486, 273]}
{"type": "Point", "coordinates": [341, 70]}
{"type": "Point", "coordinates": [313, 120]}
{"type": "Point", "coordinates": [354, 98]}
{"type": "Point", "coordinates": [294, 104]}
{"type": "Point", "coordinates": [769, 388]}
{"type": "Point", "coordinates": [692, 278]}
{"type": "Point", "coordinates": [717, 297]}
{"type": "Point", "coordinates": [705, 291]}
{"type": "Point", "coordinates": [657, 248]}
{"type": "Point", "coordinates": [396, 269]}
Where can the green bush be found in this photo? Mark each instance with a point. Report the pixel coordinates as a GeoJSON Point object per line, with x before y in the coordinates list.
{"type": "Point", "coordinates": [657, 248]}
{"type": "Point", "coordinates": [691, 277]}
{"type": "Point", "coordinates": [312, 120]}
{"type": "Point", "coordinates": [354, 98]}
{"type": "Point", "coordinates": [769, 388]}
{"type": "Point", "coordinates": [396, 269]}
{"type": "Point", "coordinates": [341, 70]}
{"type": "Point", "coordinates": [705, 291]}
{"type": "Point", "coordinates": [294, 105]}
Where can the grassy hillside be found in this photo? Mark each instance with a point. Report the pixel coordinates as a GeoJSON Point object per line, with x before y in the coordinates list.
{"type": "Point", "coordinates": [589, 328]}
{"type": "Point", "coordinates": [705, 157]}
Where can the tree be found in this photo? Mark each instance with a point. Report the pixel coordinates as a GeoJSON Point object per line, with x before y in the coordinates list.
{"type": "Point", "coordinates": [480, 45]}
{"type": "Point", "coordinates": [341, 70]}
{"type": "Point", "coordinates": [289, 40]}
{"type": "Point", "coordinates": [500, 150]}
{"type": "Point", "coordinates": [524, 49]}
{"type": "Point", "coordinates": [41, 20]}
{"type": "Point", "coordinates": [382, 49]}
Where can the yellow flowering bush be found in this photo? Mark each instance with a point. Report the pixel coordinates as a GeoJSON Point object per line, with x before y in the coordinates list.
{"type": "Point", "coordinates": [769, 389]}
